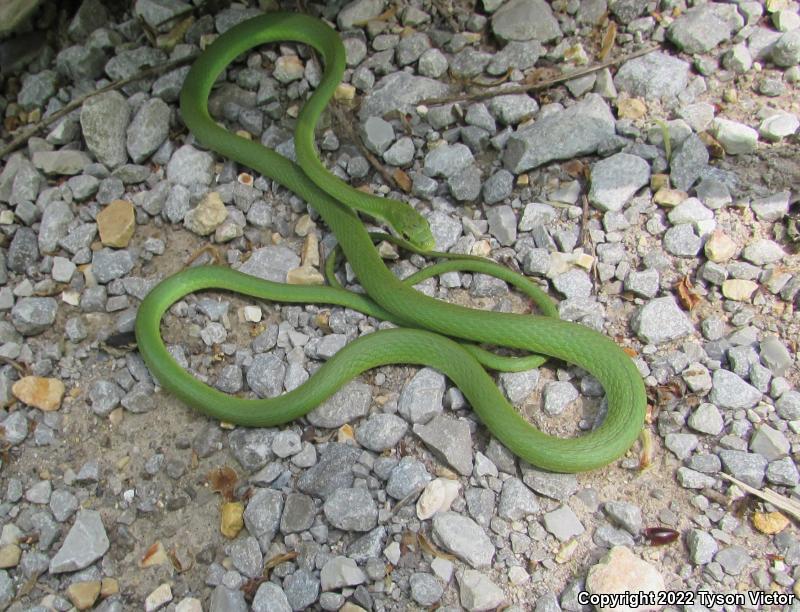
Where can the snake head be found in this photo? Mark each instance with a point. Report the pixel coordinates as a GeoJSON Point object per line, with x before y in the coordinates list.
{"type": "Point", "coordinates": [413, 227]}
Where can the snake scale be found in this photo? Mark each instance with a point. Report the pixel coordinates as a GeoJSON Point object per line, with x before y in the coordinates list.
{"type": "Point", "coordinates": [430, 332]}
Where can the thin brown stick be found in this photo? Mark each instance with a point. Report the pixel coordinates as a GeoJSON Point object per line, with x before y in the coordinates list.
{"type": "Point", "coordinates": [20, 140]}
{"type": "Point", "coordinates": [786, 504]}
{"type": "Point", "coordinates": [521, 89]}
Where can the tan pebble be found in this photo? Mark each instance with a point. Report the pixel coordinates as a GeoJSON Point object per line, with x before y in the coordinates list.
{"type": "Point", "coordinates": [351, 607]}
{"type": "Point", "coordinates": [344, 92]}
{"type": "Point", "coordinates": [669, 198]}
{"type": "Point", "coordinates": [252, 314]}
{"type": "Point", "coordinates": [658, 181]}
{"type": "Point", "coordinates": [116, 224]}
{"type": "Point", "coordinates": [387, 250]}
{"type": "Point", "coordinates": [481, 248]}
{"type": "Point", "coordinates": [631, 108]}
{"type": "Point", "coordinates": [304, 225]}
{"type": "Point", "coordinates": [7, 217]}
{"type": "Point", "coordinates": [770, 522]}
{"type": "Point", "coordinates": [585, 261]}
{"type": "Point", "coordinates": [245, 179]}
{"type": "Point", "coordinates": [109, 587]}
{"type": "Point", "coordinates": [310, 253]}
{"type": "Point", "coordinates": [116, 416]}
{"type": "Point", "coordinates": [228, 231]}
{"type": "Point", "coordinates": [304, 275]}
{"type": "Point", "coordinates": [207, 215]}
{"type": "Point", "coordinates": [189, 604]}
{"type": "Point", "coordinates": [720, 247]}
{"type": "Point", "coordinates": [159, 598]}
{"type": "Point", "coordinates": [83, 594]}
{"type": "Point", "coordinates": [566, 551]}
{"type": "Point", "coordinates": [231, 519]}
{"type": "Point", "coordinates": [621, 571]}
{"type": "Point", "coordinates": [42, 393]}
{"type": "Point", "coordinates": [288, 68]}
{"type": "Point", "coordinates": [738, 289]}
{"type": "Point", "coordinates": [523, 180]}
{"type": "Point", "coordinates": [438, 495]}
{"type": "Point", "coordinates": [9, 556]}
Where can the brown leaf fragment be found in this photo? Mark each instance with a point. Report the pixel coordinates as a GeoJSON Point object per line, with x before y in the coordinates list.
{"type": "Point", "coordinates": [222, 480]}
{"type": "Point", "coordinates": [609, 38]}
{"type": "Point", "coordinates": [686, 294]}
{"type": "Point", "coordinates": [402, 179]}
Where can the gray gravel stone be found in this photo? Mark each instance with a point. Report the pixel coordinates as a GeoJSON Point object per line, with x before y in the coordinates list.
{"type": "Point", "coordinates": [381, 431]}
{"type": "Point", "coordinates": [576, 131]}
{"type": "Point", "coordinates": [262, 515]}
{"type": "Point", "coordinates": [301, 589]}
{"type": "Point", "coordinates": [298, 513]}
{"type": "Point", "coordinates": [332, 472]}
{"type": "Point", "coordinates": [477, 591]}
{"type": "Point", "coordinates": [660, 321]}
{"type": "Point", "coordinates": [563, 523]}
{"type": "Point", "coordinates": [769, 443]}
{"type": "Point", "coordinates": [652, 76]}
{"type": "Point", "coordinates": [23, 251]}
{"type": "Point", "coordinates": [706, 419]}
{"type": "Point", "coordinates": [421, 398]}
{"type": "Point", "coordinates": [265, 375]}
{"type": "Point", "coordinates": [681, 240]}
{"type": "Point", "coordinates": [747, 467]}
{"type": "Point", "coordinates": [37, 89]}
{"type": "Point", "coordinates": [775, 355]}
{"type": "Point", "coordinates": [33, 315]}
{"type": "Point", "coordinates": [464, 538]}
{"type": "Point", "coordinates": [270, 598]}
{"type": "Point", "coordinates": [341, 572]}
{"type": "Point", "coordinates": [786, 50]}
{"type": "Point", "coordinates": [558, 395]}
{"type": "Point", "coordinates": [616, 179]}
{"type": "Point", "coordinates": [351, 509]}
{"type": "Point", "coordinates": [148, 130]}
{"type": "Point", "coordinates": [406, 477]}
{"type": "Point", "coordinates": [730, 391]}
{"type": "Point", "coordinates": [555, 486]}
{"type": "Point", "coordinates": [516, 501]}
{"type": "Point", "coordinates": [788, 405]}
{"type": "Point", "coordinates": [190, 167]}
{"type": "Point", "coordinates": [349, 403]}
{"type": "Point", "coordinates": [399, 91]}
{"type": "Point", "coordinates": [271, 263]}
{"type": "Point", "coordinates": [53, 227]}
{"type": "Point", "coordinates": [378, 134]}
{"type": "Point", "coordinates": [109, 264]}
{"type": "Point", "coordinates": [450, 440]}
{"type": "Point", "coordinates": [448, 160]}
{"type": "Point", "coordinates": [703, 27]}
{"type": "Point", "coordinates": [772, 207]}
{"type": "Point", "coordinates": [525, 20]}
{"type": "Point", "coordinates": [246, 556]}
{"type": "Point", "coordinates": [502, 223]}
{"type": "Point", "coordinates": [104, 122]}
{"type": "Point", "coordinates": [425, 589]}
{"type": "Point", "coordinates": [359, 11]}
{"type": "Point", "coordinates": [401, 153]}
{"type": "Point", "coordinates": [733, 559]}
{"type": "Point", "coordinates": [625, 514]}
{"type": "Point", "coordinates": [85, 543]}
{"type": "Point", "coordinates": [702, 547]}
{"type": "Point", "coordinates": [783, 472]}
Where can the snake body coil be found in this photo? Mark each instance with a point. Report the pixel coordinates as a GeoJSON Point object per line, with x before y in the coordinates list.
{"type": "Point", "coordinates": [435, 324]}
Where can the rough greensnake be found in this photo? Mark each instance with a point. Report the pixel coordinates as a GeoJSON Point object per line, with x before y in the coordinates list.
{"type": "Point", "coordinates": [431, 332]}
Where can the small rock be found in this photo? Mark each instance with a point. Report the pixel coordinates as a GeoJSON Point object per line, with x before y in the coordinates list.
{"type": "Point", "coordinates": [563, 523]}
{"type": "Point", "coordinates": [104, 122]}
{"type": "Point", "coordinates": [351, 510]}
{"type": "Point", "coordinates": [736, 138]}
{"type": "Point", "coordinates": [340, 572]}
{"type": "Point", "coordinates": [621, 571]}
{"type": "Point", "coordinates": [116, 224]}
{"type": "Point", "coordinates": [450, 440]}
{"type": "Point", "coordinates": [660, 321]}
{"type": "Point", "coordinates": [477, 592]}
{"type": "Point", "coordinates": [464, 538]}
{"type": "Point", "coordinates": [85, 543]}
{"type": "Point", "coordinates": [438, 495]}
{"type": "Point", "coordinates": [616, 179]}
{"type": "Point", "coordinates": [42, 393]}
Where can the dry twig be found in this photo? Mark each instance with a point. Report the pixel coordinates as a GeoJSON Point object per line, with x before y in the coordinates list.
{"type": "Point", "coordinates": [521, 89]}
{"type": "Point", "coordinates": [776, 499]}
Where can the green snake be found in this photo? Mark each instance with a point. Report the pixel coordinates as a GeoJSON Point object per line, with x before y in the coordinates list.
{"type": "Point", "coordinates": [430, 332]}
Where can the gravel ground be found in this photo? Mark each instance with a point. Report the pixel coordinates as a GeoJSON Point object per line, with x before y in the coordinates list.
{"type": "Point", "coordinates": [655, 199]}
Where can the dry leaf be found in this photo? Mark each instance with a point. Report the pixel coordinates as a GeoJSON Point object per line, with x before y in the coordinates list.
{"type": "Point", "coordinates": [428, 547]}
{"type": "Point", "coordinates": [278, 559]}
{"type": "Point", "coordinates": [223, 481]}
{"type": "Point", "coordinates": [686, 294]}
{"type": "Point", "coordinates": [345, 434]}
{"type": "Point", "coordinates": [181, 559]}
{"type": "Point", "coordinates": [575, 168]}
{"type": "Point", "coordinates": [402, 179]}
{"type": "Point", "coordinates": [715, 149]}
{"type": "Point", "coordinates": [609, 38]}
{"type": "Point", "coordinates": [155, 555]}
